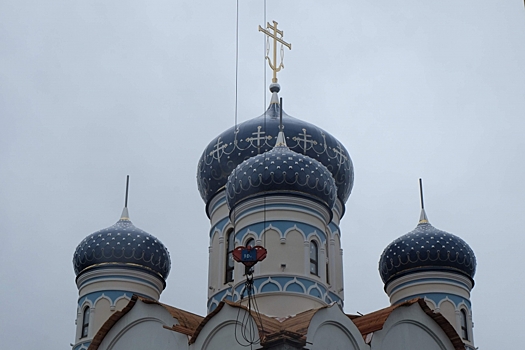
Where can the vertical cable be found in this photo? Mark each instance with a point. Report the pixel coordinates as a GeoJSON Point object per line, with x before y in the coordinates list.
{"type": "Point", "coordinates": [265, 106]}
{"type": "Point", "coordinates": [236, 60]}
{"type": "Point", "coordinates": [236, 101]}
{"type": "Point", "coordinates": [264, 62]}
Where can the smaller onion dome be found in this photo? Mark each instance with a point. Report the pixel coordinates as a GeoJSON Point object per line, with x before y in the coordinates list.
{"type": "Point", "coordinates": [278, 171]}
{"type": "Point", "coordinates": [122, 244]}
{"type": "Point", "coordinates": [426, 249]}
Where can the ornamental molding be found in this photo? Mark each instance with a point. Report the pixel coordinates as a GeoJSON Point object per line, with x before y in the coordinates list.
{"type": "Point", "coordinates": [427, 277]}
{"type": "Point", "coordinates": [312, 289]}
{"type": "Point", "coordinates": [278, 203]}
{"type": "Point", "coordinates": [133, 276]}
{"type": "Point", "coordinates": [256, 136]}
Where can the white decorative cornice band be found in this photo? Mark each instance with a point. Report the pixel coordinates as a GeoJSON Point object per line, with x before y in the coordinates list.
{"type": "Point", "coordinates": [426, 277]}
{"type": "Point", "coordinates": [278, 285]}
{"type": "Point", "coordinates": [279, 203]}
{"type": "Point", "coordinates": [119, 273]}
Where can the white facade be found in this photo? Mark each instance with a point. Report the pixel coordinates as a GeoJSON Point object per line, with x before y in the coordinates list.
{"type": "Point", "coordinates": [298, 288]}
{"type": "Point", "coordinates": [104, 291]}
{"type": "Point", "coordinates": [445, 292]}
{"type": "Point", "coordinates": [150, 326]}
{"type": "Point", "coordinates": [286, 227]}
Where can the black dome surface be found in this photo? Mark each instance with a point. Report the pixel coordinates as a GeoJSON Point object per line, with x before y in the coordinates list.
{"type": "Point", "coordinates": [124, 244]}
{"type": "Point", "coordinates": [257, 136]}
{"type": "Point", "coordinates": [281, 170]}
{"type": "Point", "coordinates": [426, 249]}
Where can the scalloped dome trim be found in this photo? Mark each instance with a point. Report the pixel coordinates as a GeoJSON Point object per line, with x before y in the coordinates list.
{"type": "Point", "coordinates": [426, 248]}
{"type": "Point", "coordinates": [256, 136]}
{"type": "Point", "coordinates": [125, 244]}
{"type": "Point", "coordinates": [281, 170]}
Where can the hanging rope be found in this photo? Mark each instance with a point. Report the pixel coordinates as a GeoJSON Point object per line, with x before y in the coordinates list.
{"type": "Point", "coordinates": [251, 322]}
{"type": "Point", "coordinates": [249, 325]}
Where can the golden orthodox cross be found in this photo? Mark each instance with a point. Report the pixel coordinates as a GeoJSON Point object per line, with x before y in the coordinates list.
{"type": "Point", "coordinates": [277, 37]}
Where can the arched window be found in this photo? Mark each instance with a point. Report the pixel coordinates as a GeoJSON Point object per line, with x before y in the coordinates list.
{"type": "Point", "coordinates": [250, 242]}
{"type": "Point", "coordinates": [85, 322]}
{"type": "Point", "coordinates": [230, 263]}
{"type": "Point", "coordinates": [314, 258]}
{"type": "Point", "coordinates": [464, 328]}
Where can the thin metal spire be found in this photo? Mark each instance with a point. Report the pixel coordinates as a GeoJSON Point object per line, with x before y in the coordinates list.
{"type": "Point", "coordinates": [423, 219]}
{"type": "Point", "coordinates": [281, 140]}
{"type": "Point", "coordinates": [125, 214]}
{"type": "Point", "coordinates": [281, 114]}
{"type": "Point", "coordinates": [127, 189]}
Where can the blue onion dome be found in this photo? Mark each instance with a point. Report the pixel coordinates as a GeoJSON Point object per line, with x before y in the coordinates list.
{"type": "Point", "coordinates": [256, 136]}
{"type": "Point", "coordinates": [279, 171]}
{"type": "Point", "coordinates": [427, 249]}
{"type": "Point", "coordinates": [125, 245]}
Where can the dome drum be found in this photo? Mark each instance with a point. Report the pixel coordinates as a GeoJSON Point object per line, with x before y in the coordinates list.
{"type": "Point", "coordinates": [278, 207]}
{"type": "Point", "coordinates": [133, 279]}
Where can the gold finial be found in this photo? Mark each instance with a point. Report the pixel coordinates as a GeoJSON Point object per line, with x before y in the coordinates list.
{"type": "Point", "coordinates": [276, 38]}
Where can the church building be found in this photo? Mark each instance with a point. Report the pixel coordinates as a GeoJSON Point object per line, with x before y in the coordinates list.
{"type": "Point", "coordinates": [274, 184]}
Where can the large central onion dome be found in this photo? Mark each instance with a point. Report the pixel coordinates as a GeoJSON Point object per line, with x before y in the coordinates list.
{"type": "Point", "coordinates": [125, 245]}
{"type": "Point", "coordinates": [427, 249]}
{"type": "Point", "coordinates": [257, 136]}
{"type": "Point", "coordinates": [281, 170]}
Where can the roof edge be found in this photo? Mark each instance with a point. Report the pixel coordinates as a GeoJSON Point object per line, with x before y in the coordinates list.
{"type": "Point", "coordinates": [443, 323]}
{"type": "Point", "coordinates": [111, 321]}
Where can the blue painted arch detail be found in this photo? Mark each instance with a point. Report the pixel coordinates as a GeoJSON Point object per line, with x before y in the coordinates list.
{"type": "Point", "coordinates": [219, 226]}
{"type": "Point", "coordinates": [269, 287]}
{"type": "Point", "coordinates": [315, 293]}
{"type": "Point", "coordinates": [111, 295]}
{"type": "Point", "coordinates": [437, 298]}
{"type": "Point", "coordinates": [82, 346]}
{"type": "Point", "coordinates": [334, 228]}
{"type": "Point", "coordinates": [278, 284]}
{"type": "Point", "coordinates": [282, 226]}
{"type": "Point", "coordinates": [295, 287]}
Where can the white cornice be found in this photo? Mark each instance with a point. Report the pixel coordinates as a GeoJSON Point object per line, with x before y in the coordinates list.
{"type": "Point", "coordinates": [119, 274]}
{"type": "Point", "coordinates": [279, 203]}
{"type": "Point", "coordinates": [427, 277]}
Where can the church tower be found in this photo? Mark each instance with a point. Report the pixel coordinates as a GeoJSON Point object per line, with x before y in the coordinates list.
{"type": "Point", "coordinates": [281, 183]}
{"type": "Point", "coordinates": [435, 265]}
{"type": "Point", "coordinates": [111, 265]}
{"type": "Point", "coordinates": [284, 193]}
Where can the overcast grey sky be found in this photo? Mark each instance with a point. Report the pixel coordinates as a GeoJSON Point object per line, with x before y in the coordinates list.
{"type": "Point", "coordinates": [91, 91]}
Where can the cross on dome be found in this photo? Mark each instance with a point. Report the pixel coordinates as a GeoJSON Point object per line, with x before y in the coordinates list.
{"type": "Point", "coordinates": [277, 37]}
